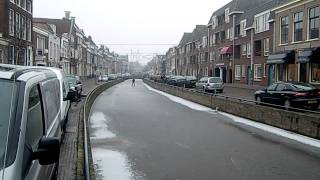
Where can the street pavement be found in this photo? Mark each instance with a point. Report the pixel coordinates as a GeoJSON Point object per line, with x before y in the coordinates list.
{"type": "Point", "coordinates": [140, 134]}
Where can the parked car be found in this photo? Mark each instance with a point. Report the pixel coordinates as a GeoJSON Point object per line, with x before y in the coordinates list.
{"type": "Point", "coordinates": [75, 85]}
{"type": "Point", "coordinates": [112, 77]}
{"type": "Point", "coordinates": [104, 78]}
{"type": "Point", "coordinates": [190, 81]}
{"type": "Point", "coordinates": [210, 84]}
{"type": "Point", "coordinates": [64, 91]}
{"type": "Point", "coordinates": [171, 80]}
{"type": "Point", "coordinates": [30, 129]}
{"type": "Point", "coordinates": [180, 81]}
{"type": "Point", "coordinates": [290, 94]}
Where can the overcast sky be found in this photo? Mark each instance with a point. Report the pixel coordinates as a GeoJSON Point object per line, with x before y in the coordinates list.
{"type": "Point", "coordinates": [133, 21]}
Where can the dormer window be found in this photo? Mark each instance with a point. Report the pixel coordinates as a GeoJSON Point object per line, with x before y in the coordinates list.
{"type": "Point", "coordinates": [226, 14]}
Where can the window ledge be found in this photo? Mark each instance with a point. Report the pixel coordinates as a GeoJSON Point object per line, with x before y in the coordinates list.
{"type": "Point", "coordinates": [285, 44]}
{"type": "Point", "coordinates": [258, 80]}
{"type": "Point", "coordinates": [297, 42]}
{"type": "Point", "coordinates": [309, 40]}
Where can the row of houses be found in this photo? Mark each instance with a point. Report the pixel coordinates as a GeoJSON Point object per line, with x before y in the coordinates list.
{"type": "Point", "coordinates": [252, 42]}
{"type": "Point", "coordinates": [60, 43]}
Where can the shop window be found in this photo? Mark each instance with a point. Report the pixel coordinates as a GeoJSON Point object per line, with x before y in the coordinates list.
{"type": "Point", "coordinates": [315, 73]}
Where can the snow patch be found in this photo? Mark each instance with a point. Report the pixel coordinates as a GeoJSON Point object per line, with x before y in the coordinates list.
{"type": "Point", "coordinates": [99, 126]}
{"type": "Point", "coordinates": [277, 131]}
{"type": "Point", "coordinates": [111, 164]}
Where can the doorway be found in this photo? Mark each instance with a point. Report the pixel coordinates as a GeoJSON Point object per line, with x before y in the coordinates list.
{"type": "Point", "coordinates": [303, 72]}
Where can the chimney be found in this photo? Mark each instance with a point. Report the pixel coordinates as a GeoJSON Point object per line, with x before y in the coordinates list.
{"type": "Point", "coordinates": [67, 14]}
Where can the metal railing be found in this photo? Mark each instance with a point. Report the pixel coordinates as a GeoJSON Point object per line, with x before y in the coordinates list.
{"type": "Point", "coordinates": [243, 100]}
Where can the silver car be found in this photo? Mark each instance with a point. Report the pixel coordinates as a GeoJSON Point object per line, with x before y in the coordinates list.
{"type": "Point", "coordinates": [30, 128]}
{"type": "Point", "coordinates": [210, 84]}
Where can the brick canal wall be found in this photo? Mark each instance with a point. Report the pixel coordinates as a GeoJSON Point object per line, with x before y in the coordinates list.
{"type": "Point", "coordinates": [307, 124]}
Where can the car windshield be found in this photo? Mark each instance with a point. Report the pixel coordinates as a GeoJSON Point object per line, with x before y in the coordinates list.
{"type": "Point", "coordinates": [215, 80]}
{"type": "Point", "coordinates": [6, 110]}
{"type": "Point", "coordinates": [303, 86]}
{"type": "Point", "coordinates": [72, 80]}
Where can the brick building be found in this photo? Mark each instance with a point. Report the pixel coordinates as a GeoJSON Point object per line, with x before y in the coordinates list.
{"type": "Point", "coordinates": [16, 32]}
{"type": "Point", "coordinates": [297, 46]}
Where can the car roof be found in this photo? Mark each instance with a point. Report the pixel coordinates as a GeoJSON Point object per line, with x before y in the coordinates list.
{"type": "Point", "coordinates": [22, 73]}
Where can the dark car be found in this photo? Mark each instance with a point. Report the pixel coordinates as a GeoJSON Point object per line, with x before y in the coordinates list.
{"type": "Point", "coordinates": [190, 82]}
{"type": "Point", "coordinates": [75, 85]}
{"type": "Point", "coordinates": [290, 94]}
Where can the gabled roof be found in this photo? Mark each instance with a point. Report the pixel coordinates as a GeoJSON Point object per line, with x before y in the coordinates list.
{"type": "Point", "coordinates": [43, 26]}
{"type": "Point", "coordinates": [199, 32]}
{"type": "Point", "coordinates": [63, 25]}
{"type": "Point", "coordinates": [186, 38]}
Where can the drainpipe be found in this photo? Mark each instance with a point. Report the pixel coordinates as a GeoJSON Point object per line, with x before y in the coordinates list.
{"type": "Point", "coordinates": [233, 44]}
{"type": "Point", "coordinates": [251, 59]}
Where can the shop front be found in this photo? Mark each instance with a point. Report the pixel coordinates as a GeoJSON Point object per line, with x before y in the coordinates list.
{"type": "Point", "coordinates": [309, 65]}
{"type": "Point", "coordinates": [282, 67]}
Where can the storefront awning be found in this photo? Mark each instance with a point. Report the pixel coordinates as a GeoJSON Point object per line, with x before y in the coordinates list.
{"type": "Point", "coordinates": [304, 56]}
{"type": "Point", "coordinates": [226, 50]}
{"type": "Point", "coordinates": [280, 58]}
{"type": "Point", "coordinates": [276, 58]}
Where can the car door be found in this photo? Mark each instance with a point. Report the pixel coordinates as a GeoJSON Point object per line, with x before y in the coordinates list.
{"type": "Point", "coordinates": [267, 95]}
{"type": "Point", "coordinates": [31, 169]}
{"type": "Point", "coordinates": [280, 94]}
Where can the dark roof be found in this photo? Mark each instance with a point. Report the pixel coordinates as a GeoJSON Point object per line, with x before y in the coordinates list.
{"type": "Point", "coordinates": [63, 25]}
{"type": "Point", "coordinates": [249, 7]}
{"type": "Point", "coordinates": [186, 38]}
{"type": "Point", "coordinates": [199, 32]}
{"type": "Point", "coordinates": [43, 26]}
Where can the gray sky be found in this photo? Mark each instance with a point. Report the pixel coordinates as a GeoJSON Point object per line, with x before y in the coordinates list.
{"type": "Point", "coordinates": [133, 21]}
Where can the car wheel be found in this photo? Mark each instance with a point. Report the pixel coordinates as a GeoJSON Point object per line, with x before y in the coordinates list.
{"type": "Point", "coordinates": [287, 104]}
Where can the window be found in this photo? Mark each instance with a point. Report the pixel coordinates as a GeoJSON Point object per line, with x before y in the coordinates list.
{"type": "Point", "coordinates": [261, 22]}
{"type": "Point", "coordinates": [34, 127]}
{"type": "Point", "coordinates": [248, 50]}
{"type": "Point", "coordinates": [284, 31]}
{"type": "Point", "coordinates": [17, 25]}
{"type": "Point", "coordinates": [223, 36]}
{"type": "Point", "coordinates": [226, 13]}
{"type": "Point", "coordinates": [23, 28]}
{"type": "Point", "coordinates": [257, 72]}
{"type": "Point", "coordinates": [213, 39]}
{"type": "Point", "coordinates": [214, 22]}
{"type": "Point", "coordinates": [11, 22]}
{"type": "Point", "coordinates": [314, 22]}
{"type": "Point", "coordinates": [243, 25]}
{"type": "Point", "coordinates": [23, 4]}
{"type": "Point", "coordinates": [315, 73]}
{"type": "Point", "coordinates": [243, 71]}
{"type": "Point", "coordinates": [29, 6]}
{"type": "Point", "coordinates": [29, 30]}
{"type": "Point", "coordinates": [237, 72]}
{"type": "Point", "coordinates": [257, 48]}
{"type": "Point", "coordinates": [11, 55]}
{"type": "Point", "coordinates": [298, 26]}
{"type": "Point", "coordinates": [244, 49]}
{"type": "Point", "coordinates": [266, 46]}
{"type": "Point", "coordinates": [17, 2]}
{"type": "Point", "coordinates": [52, 97]}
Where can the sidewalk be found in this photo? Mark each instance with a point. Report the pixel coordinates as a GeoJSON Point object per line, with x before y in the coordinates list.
{"type": "Point", "coordinates": [67, 168]}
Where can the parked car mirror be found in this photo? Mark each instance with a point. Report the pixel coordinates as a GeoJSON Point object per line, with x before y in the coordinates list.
{"type": "Point", "coordinates": [48, 151]}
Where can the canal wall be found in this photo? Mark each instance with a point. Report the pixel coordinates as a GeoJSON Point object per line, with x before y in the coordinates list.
{"type": "Point", "coordinates": [307, 124]}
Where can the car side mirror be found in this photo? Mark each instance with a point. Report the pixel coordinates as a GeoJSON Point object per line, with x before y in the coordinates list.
{"type": "Point", "coordinates": [48, 151]}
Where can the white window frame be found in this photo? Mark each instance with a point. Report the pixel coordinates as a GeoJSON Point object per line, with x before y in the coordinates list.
{"type": "Point", "coordinates": [243, 70]}
{"type": "Point", "coordinates": [12, 21]}
{"type": "Point", "coordinates": [249, 49]}
{"type": "Point", "coordinates": [237, 73]}
{"type": "Point", "coordinates": [256, 77]}
{"type": "Point", "coordinates": [243, 25]}
{"type": "Point", "coordinates": [308, 25]}
{"type": "Point", "coordinates": [264, 17]}
{"type": "Point", "coordinates": [30, 8]}
{"type": "Point", "coordinates": [29, 31]}
{"type": "Point", "coordinates": [266, 46]}
{"type": "Point", "coordinates": [226, 14]}
{"type": "Point", "coordinates": [244, 49]}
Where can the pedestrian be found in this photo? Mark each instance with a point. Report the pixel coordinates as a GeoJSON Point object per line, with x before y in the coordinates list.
{"type": "Point", "coordinates": [133, 82]}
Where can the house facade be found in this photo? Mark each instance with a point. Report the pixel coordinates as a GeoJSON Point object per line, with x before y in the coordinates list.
{"type": "Point", "coordinates": [296, 46]}
{"type": "Point", "coordinates": [16, 32]}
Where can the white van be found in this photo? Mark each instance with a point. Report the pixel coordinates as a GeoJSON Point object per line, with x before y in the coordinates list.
{"type": "Point", "coordinates": [64, 90]}
{"type": "Point", "coordinates": [30, 128]}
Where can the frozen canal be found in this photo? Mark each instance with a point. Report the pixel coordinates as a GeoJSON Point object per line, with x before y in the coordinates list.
{"type": "Point", "coordinates": [140, 133]}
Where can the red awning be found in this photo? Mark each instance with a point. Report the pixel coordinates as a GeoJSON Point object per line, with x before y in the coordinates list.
{"type": "Point", "coordinates": [226, 50]}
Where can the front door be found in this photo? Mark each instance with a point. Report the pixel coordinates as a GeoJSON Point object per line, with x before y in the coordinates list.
{"type": "Point", "coordinates": [303, 72]}
{"type": "Point", "coordinates": [248, 75]}
{"type": "Point", "coordinates": [224, 74]}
